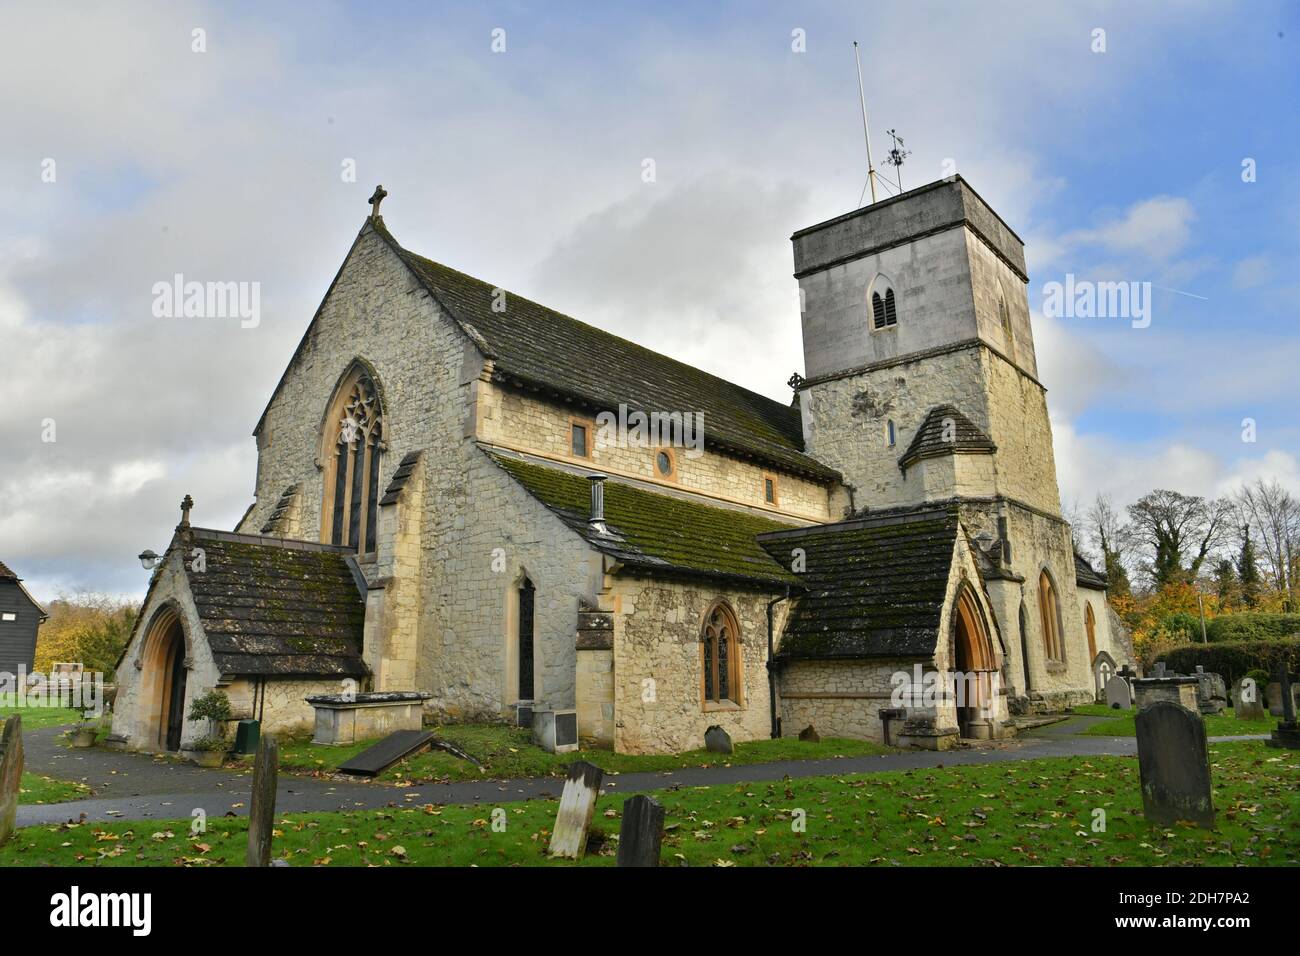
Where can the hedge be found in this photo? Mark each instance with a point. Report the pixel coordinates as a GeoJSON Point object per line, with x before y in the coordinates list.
{"type": "Point", "coordinates": [1252, 626]}
{"type": "Point", "coordinates": [1233, 659]}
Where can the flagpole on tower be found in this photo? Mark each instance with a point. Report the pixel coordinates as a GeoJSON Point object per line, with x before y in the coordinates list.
{"type": "Point", "coordinates": [866, 130]}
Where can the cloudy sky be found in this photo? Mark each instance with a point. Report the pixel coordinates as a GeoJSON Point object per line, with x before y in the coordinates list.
{"type": "Point", "coordinates": [134, 148]}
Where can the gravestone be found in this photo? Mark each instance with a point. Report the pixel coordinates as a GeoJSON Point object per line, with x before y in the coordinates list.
{"type": "Point", "coordinates": [1211, 692]}
{"type": "Point", "coordinates": [1103, 668]}
{"type": "Point", "coordinates": [1160, 669]}
{"type": "Point", "coordinates": [1174, 764]}
{"type": "Point", "coordinates": [1274, 694]}
{"type": "Point", "coordinates": [1287, 733]}
{"type": "Point", "coordinates": [577, 804]}
{"type": "Point", "coordinates": [261, 809]}
{"type": "Point", "coordinates": [809, 735]}
{"type": "Point", "coordinates": [718, 741]}
{"type": "Point", "coordinates": [11, 774]}
{"type": "Point", "coordinates": [1246, 702]}
{"type": "Point", "coordinates": [641, 833]}
{"type": "Point", "coordinates": [1118, 693]}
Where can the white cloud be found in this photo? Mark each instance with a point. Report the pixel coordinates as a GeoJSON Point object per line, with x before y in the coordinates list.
{"type": "Point", "coordinates": [1154, 229]}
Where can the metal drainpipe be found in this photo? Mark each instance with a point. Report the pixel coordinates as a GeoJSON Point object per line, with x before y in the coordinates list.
{"type": "Point", "coordinates": [771, 665]}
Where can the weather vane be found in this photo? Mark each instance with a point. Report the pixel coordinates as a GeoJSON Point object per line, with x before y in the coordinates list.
{"type": "Point", "coordinates": [896, 156]}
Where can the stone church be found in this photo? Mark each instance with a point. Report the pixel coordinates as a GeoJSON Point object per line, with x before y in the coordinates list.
{"type": "Point", "coordinates": [442, 507]}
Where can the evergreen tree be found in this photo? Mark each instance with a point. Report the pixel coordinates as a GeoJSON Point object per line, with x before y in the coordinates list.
{"type": "Point", "coordinates": [1225, 583]}
{"type": "Point", "coordinates": [1248, 570]}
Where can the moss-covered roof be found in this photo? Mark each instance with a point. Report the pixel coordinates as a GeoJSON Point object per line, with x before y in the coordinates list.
{"type": "Point", "coordinates": [538, 347]}
{"type": "Point", "coordinates": [654, 532]}
{"type": "Point", "coordinates": [946, 431]}
{"type": "Point", "coordinates": [1085, 576]}
{"type": "Point", "coordinates": [275, 607]}
{"type": "Point", "coordinates": [872, 587]}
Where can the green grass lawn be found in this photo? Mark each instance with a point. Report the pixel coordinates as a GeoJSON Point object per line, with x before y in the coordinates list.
{"type": "Point", "coordinates": [510, 752]}
{"type": "Point", "coordinates": [34, 717]}
{"type": "Point", "coordinates": [1124, 723]}
{"type": "Point", "coordinates": [33, 788]}
{"type": "Point", "coordinates": [1038, 812]}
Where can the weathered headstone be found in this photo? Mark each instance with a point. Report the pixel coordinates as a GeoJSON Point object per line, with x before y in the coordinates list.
{"type": "Point", "coordinates": [1287, 733]}
{"type": "Point", "coordinates": [641, 833]}
{"type": "Point", "coordinates": [261, 808]}
{"type": "Point", "coordinates": [1160, 669]}
{"type": "Point", "coordinates": [11, 774]}
{"type": "Point", "coordinates": [1247, 701]}
{"type": "Point", "coordinates": [1174, 764]}
{"type": "Point", "coordinates": [1211, 692]}
{"type": "Point", "coordinates": [577, 804]}
{"type": "Point", "coordinates": [1118, 693]}
{"type": "Point", "coordinates": [718, 741]}
{"type": "Point", "coordinates": [809, 735]}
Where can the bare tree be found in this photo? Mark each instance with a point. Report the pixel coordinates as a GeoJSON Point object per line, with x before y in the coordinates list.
{"type": "Point", "coordinates": [1273, 515]}
{"type": "Point", "coordinates": [1112, 540]}
{"type": "Point", "coordinates": [1178, 532]}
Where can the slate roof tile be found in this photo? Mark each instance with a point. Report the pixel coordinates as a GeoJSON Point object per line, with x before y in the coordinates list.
{"type": "Point", "coordinates": [872, 587]}
{"type": "Point", "coordinates": [272, 607]}
{"type": "Point", "coordinates": [539, 347]}
{"type": "Point", "coordinates": [937, 437]}
{"type": "Point", "coordinates": [1085, 576]}
{"type": "Point", "coordinates": [655, 532]}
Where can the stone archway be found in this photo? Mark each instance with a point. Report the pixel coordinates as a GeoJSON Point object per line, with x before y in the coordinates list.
{"type": "Point", "coordinates": [974, 664]}
{"type": "Point", "coordinates": [163, 676]}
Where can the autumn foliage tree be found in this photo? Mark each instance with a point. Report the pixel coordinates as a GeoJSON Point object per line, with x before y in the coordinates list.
{"type": "Point", "coordinates": [88, 628]}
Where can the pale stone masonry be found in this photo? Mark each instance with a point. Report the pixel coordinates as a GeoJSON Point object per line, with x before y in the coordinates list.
{"type": "Point", "coordinates": [437, 440]}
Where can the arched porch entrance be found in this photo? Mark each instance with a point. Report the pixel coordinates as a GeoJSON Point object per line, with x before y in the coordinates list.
{"type": "Point", "coordinates": [163, 674]}
{"type": "Point", "coordinates": [974, 666]}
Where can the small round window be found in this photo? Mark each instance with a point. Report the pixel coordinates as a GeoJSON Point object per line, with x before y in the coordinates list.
{"type": "Point", "coordinates": [664, 462]}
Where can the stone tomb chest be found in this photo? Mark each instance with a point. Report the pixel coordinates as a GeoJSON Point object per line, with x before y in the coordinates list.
{"type": "Point", "coordinates": [1178, 690]}
{"type": "Point", "coordinates": [347, 718]}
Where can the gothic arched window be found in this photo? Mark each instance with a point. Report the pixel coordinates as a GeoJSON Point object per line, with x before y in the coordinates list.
{"type": "Point", "coordinates": [1090, 625]}
{"type": "Point", "coordinates": [353, 444]}
{"type": "Point", "coordinates": [720, 640]}
{"type": "Point", "coordinates": [1050, 614]}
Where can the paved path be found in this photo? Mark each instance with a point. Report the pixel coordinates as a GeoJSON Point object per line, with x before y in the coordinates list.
{"type": "Point", "coordinates": [131, 786]}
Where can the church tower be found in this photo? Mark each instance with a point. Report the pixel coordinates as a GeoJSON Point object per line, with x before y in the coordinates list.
{"type": "Point", "coordinates": [922, 387]}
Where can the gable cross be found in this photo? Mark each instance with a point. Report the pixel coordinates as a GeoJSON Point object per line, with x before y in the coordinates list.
{"type": "Point", "coordinates": [375, 199]}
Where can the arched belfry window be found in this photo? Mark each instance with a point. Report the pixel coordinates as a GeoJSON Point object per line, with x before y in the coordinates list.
{"type": "Point", "coordinates": [354, 431]}
{"type": "Point", "coordinates": [720, 643]}
{"type": "Point", "coordinates": [884, 308]}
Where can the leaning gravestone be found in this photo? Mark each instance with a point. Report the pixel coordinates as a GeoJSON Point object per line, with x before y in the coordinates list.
{"type": "Point", "coordinates": [1246, 703]}
{"type": "Point", "coordinates": [11, 774]}
{"type": "Point", "coordinates": [718, 741]}
{"type": "Point", "coordinates": [641, 833]}
{"type": "Point", "coordinates": [577, 804]}
{"type": "Point", "coordinates": [1118, 693]}
{"type": "Point", "coordinates": [1174, 764]}
{"type": "Point", "coordinates": [809, 735]}
{"type": "Point", "coordinates": [261, 810]}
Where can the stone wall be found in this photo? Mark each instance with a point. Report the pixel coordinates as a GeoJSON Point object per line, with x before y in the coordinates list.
{"type": "Point", "coordinates": [595, 697]}
{"type": "Point", "coordinates": [283, 708]}
{"type": "Point", "coordinates": [527, 422]}
{"type": "Point", "coordinates": [658, 664]}
{"type": "Point", "coordinates": [475, 561]}
{"type": "Point", "coordinates": [839, 698]}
